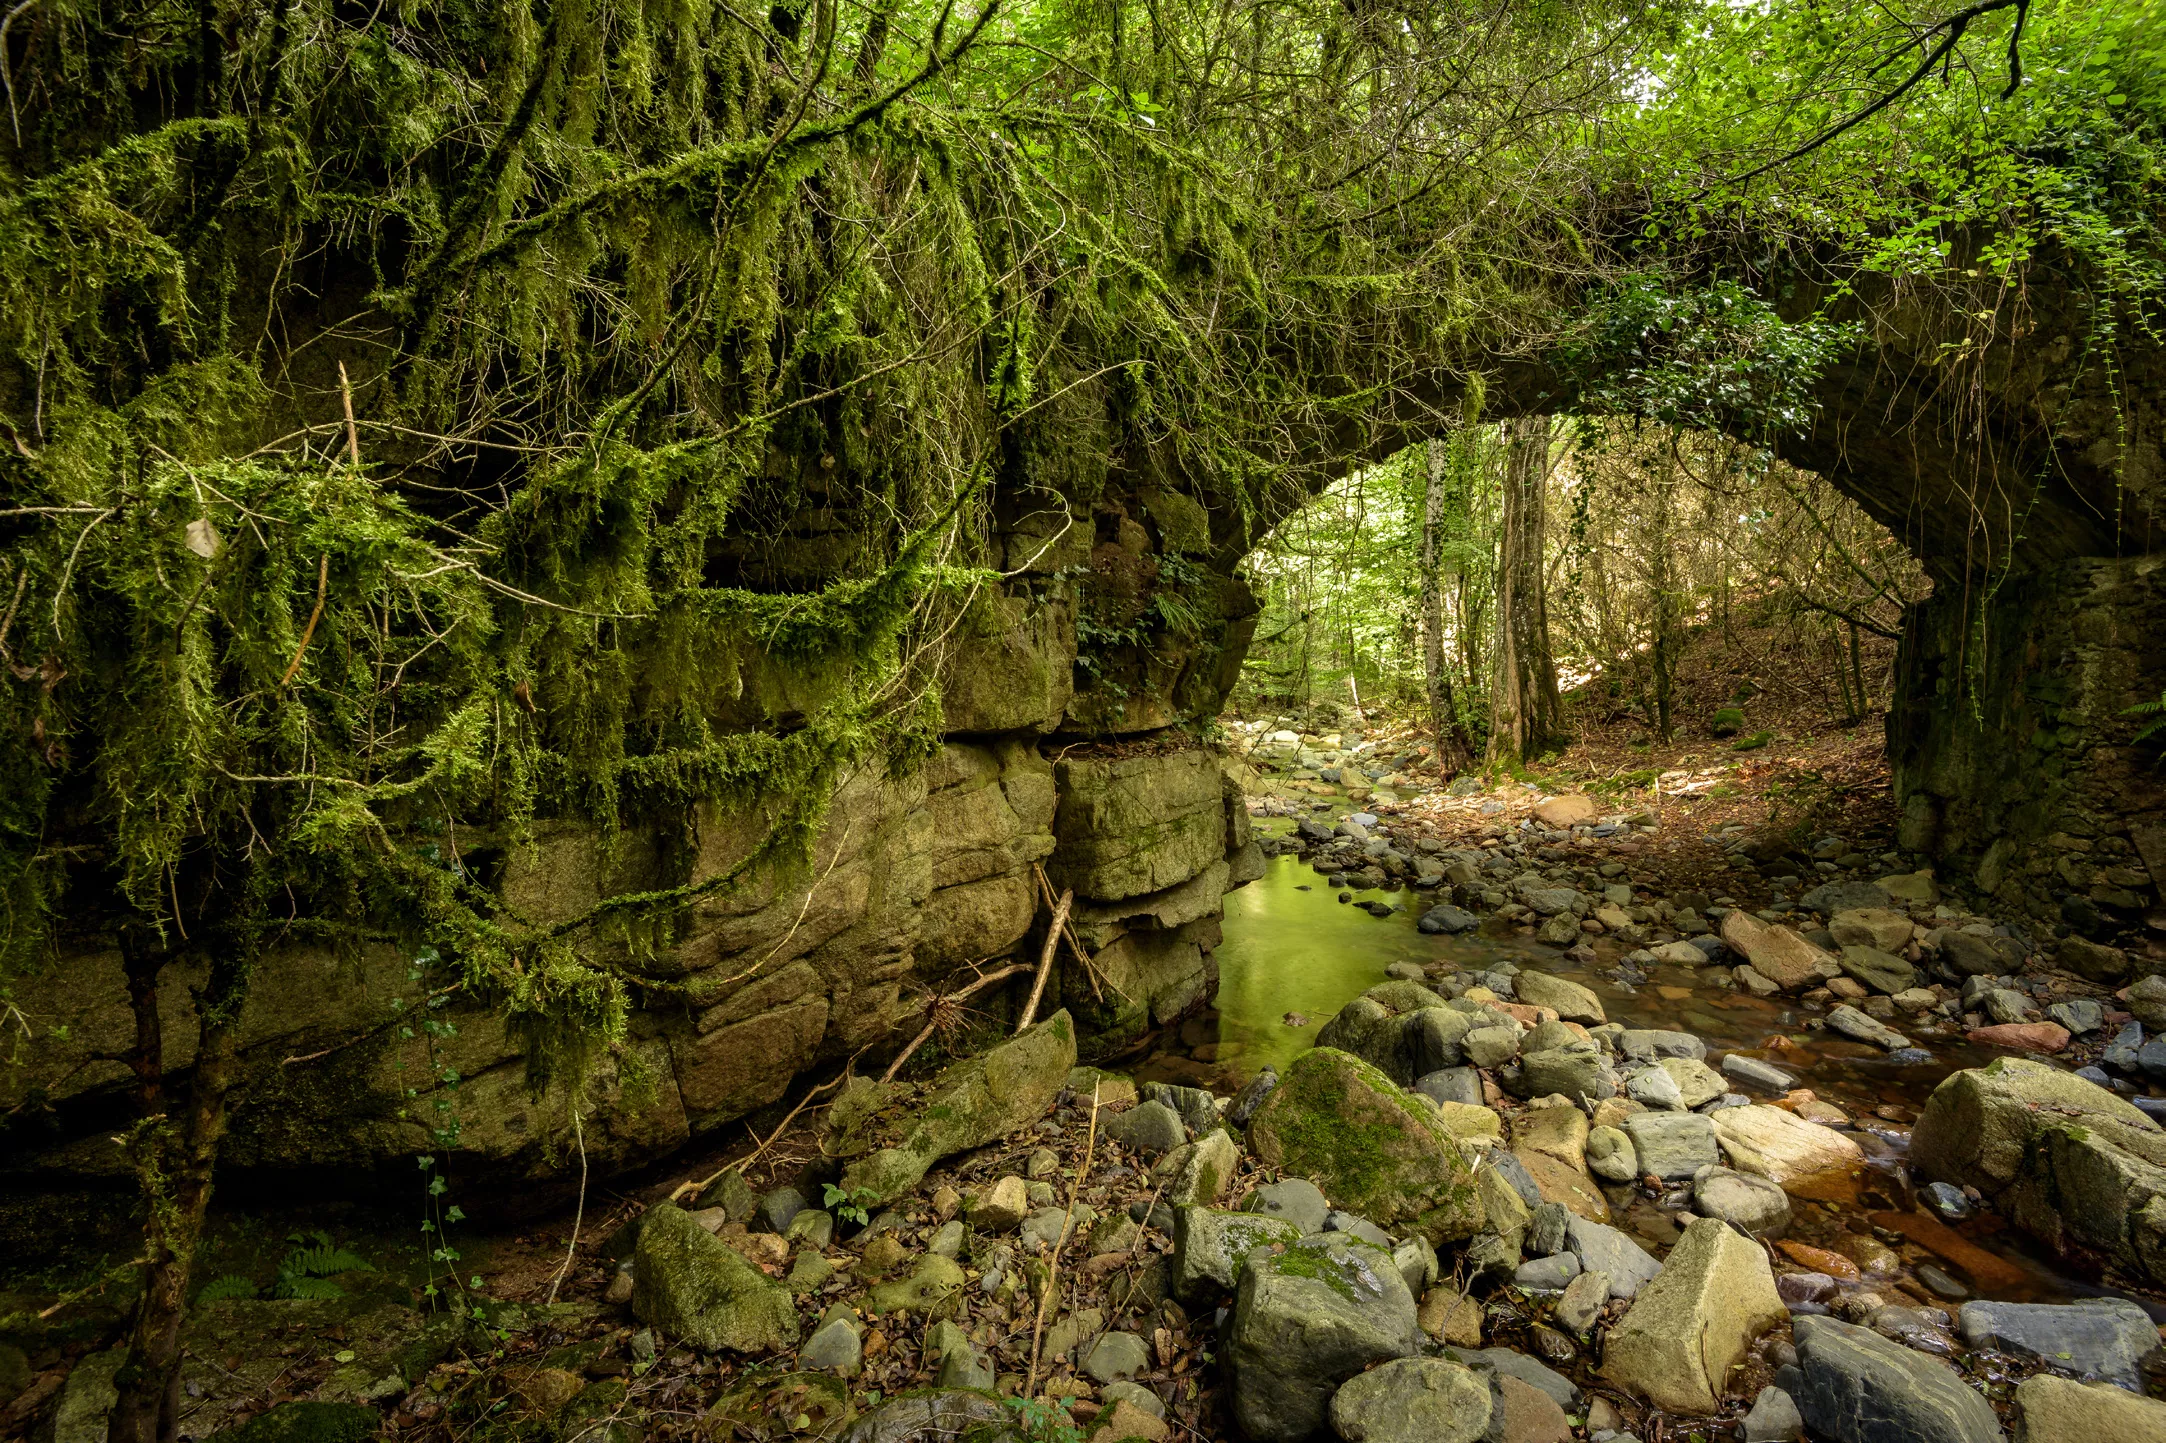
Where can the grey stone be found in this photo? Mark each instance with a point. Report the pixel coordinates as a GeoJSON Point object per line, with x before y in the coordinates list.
{"type": "Point", "coordinates": [1339, 1221]}
{"type": "Point", "coordinates": [2120, 1054]}
{"type": "Point", "coordinates": [1513, 1171]}
{"type": "Point", "coordinates": [1448, 919]}
{"type": "Point", "coordinates": [1135, 1395]}
{"type": "Point", "coordinates": [1976, 956]}
{"type": "Point", "coordinates": [1412, 1400]}
{"type": "Point", "coordinates": [1610, 1155]}
{"type": "Point", "coordinates": [1832, 897]}
{"type": "Point", "coordinates": [1452, 1084]}
{"type": "Point", "coordinates": [1117, 1356]}
{"type": "Point", "coordinates": [1197, 1108]}
{"type": "Point", "coordinates": [1209, 1247]}
{"type": "Point", "coordinates": [834, 1347]}
{"type": "Point", "coordinates": [814, 1227]}
{"type": "Point", "coordinates": [931, 1413]}
{"type": "Point", "coordinates": [1751, 1204]}
{"type": "Point", "coordinates": [2081, 1016]}
{"type": "Point", "coordinates": [1672, 1145]}
{"type": "Point", "coordinates": [1773, 1419]}
{"type": "Point", "coordinates": [1751, 1071]}
{"type": "Point", "coordinates": [1652, 1087]}
{"type": "Point", "coordinates": [1582, 1302]}
{"type": "Point", "coordinates": [1547, 1275]}
{"type": "Point", "coordinates": [1578, 1071]}
{"type": "Point", "coordinates": [1251, 1096]}
{"type": "Point", "coordinates": [2095, 1338]}
{"type": "Point", "coordinates": [961, 1366]}
{"type": "Point", "coordinates": [2004, 1004]}
{"type": "Point", "coordinates": [1855, 1386]}
{"type": "Point", "coordinates": [1297, 1200]}
{"type": "Point", "coordinates": [1561, 1390]}
{"type": "Point", "coordinates": [1649, 1044]}
{"type": "Point", "coordinates": [1490, 1047]}
{"type": "Point", "coordinates": [1416, 1261]}
{"type": "Point", "coordinates": [779, 1207]}
{"type": "Point", "coordinates": [1149, 1128]}
{"type": "Point", "coordinates": [2147, 1001]}
{"type": "Point", "coordinates": [1881, 971]}
{"type": "Point", "coordinates": [1855, 1025]}
{"type": "Point", "coordinates": [1306, 1320]}
{"type": "Point", "coordinates": [1603, 1249]}
{"type": "Point", "coordinates": [1549, 1229]}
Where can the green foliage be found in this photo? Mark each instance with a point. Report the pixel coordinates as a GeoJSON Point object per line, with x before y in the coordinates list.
{"type": "Point", "coordinates": [847, 1204]}
{"type": "Point", "coordinates": [1715, 357]}
{"type": "Point", "coordinates": [230, 1285]}
{"type": "Point", "coordinates": [2153, 709]}
{"type": "Point", "coordinates": [306, 1272]}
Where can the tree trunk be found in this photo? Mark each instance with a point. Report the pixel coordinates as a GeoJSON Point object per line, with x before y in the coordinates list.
{"type": "Point", "coordinates": [1529, 715]}
{"type": "Point", "coordinates": [1454, 749]}
{"type": "Point", "coordinates": [1668, 628]}
{"type": "Point", "coordinates": [176, 1164]}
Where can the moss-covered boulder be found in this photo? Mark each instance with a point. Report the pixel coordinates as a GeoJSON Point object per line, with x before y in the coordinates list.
{"type": "Point", "coordinates": [1304, 1321]}
{"type": "Point", "coordinates": [1979, 1122]}
{"type": "Point", "coordinates": [1371, 1146]}
{"type": "Point", "coordinates": [2071, 1163]}
{"type": "Point", "coordinates": [695, 1288]}
{"type": "Point", "coordinates": [970, 1105]}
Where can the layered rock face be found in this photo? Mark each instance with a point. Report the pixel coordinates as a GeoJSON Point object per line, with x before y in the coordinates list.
{"type": "Point", "coordinates": [2038, 791]}
{"type": "Point", "coordinates": [361, 1059]}
{"type": "Point", "coordinates": [2031, 482]}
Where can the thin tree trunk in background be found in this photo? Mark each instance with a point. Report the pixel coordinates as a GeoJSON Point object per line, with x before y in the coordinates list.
{"type": "Point", "coordinates": [1529, 715]}
{"type": "Point", "coordinates": [1669, 641]}
{"type": "Point", "coordinates": [1857, 673]}
{"type": "Point", "coordinates": [1454, 749]}
{"type": "Point", "coordinates": [177, 1166]}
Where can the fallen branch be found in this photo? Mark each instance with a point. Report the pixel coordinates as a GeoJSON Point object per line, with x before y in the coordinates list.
{"type": "Point", "coordinates": [1045, 957]}
{"type": "Point", "coordinates": [1067, 1221]}
{"type": "Point", "coordinates": [933, 1024]}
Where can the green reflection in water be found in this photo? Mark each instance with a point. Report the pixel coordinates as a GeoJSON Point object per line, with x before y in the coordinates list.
{"type": "Point", "coordinates": [1289, 950]}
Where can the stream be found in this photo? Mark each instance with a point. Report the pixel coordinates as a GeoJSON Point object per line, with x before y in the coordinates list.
{"type": "Point", "coordinates": [1294, 953]}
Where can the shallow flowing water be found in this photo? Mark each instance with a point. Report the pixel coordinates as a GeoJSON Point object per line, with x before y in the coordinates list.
{"type": "Point", "coordinates": [1294, 953]}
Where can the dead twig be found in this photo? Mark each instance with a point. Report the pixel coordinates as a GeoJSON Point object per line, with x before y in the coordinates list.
{"type": "Point", "coordinates": [1067, 1222]}
{"type": "Point", "coordinates": [323, 584]}
{"type": "Point", "coordinates": [571, 1249]}
{"type": "Point", "coordinates": [1045, 958]}
{"type": "Point", "coordinates": [353, 436]}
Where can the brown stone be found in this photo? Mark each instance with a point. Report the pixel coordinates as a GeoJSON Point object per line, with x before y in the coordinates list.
{"type": "Point", "coordinates": [1525, 1414]}
{"type": "Point", "coordinates": [1560, 1182]}
{"type": "Point", "coordinates": [1568, 810]}
{"type": "Point", "coordinates": [2022, 1036]}
{"type": "Point", "coordinates": [1452, 1317]}
{"type": "Point", "coordinates": [1819, 1260]}
{"type": "Point", "coordinates": [1776, 953]}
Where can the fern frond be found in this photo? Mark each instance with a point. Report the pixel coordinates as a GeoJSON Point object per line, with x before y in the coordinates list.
{"type": "Point", "coordinates": [232, 1285]}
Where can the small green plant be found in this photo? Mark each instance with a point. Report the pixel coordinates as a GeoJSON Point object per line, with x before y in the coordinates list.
{"type": "Point", "coordinates": [848, 1204]}
{"type": "Point", "coordinates": [1044, 1422]}
{"type": "Point", "coordinates": [2153, 709]}
{"type": "Point", "coordinates": [232, 1285]}
{"type": "Point", "coordinates": [307, 1270]}
{"type": "Point", "coordinates": [305, 1273]}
